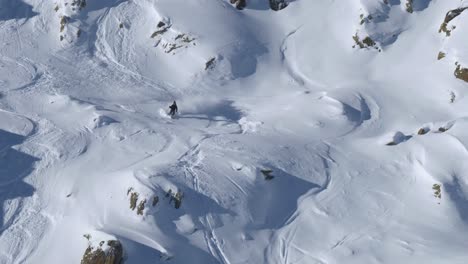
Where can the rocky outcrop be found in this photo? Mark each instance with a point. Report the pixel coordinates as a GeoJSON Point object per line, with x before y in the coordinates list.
{"type": "Point", "coordinates": [461, 73]}
{"type": "Point", "coordinates": [140, 205]}
{"type": "Point", "coordinates": [441, 55]}
{"type": "Point", "coordinates": [175, 197]}
{"type": "Point", "coordinates": [423, 131]}
{"type": "Point", "coordinates": [409, 6]}
{"type": "Point", "coordinates": [444, 27]}
{"type": "Point", "coordinates": [210, 64]}
{"type": "Point", "coordinates": [111, 253]}
{"type": "Point", "coordinates": [267, 174]}
{"type": "Point", "coordinates": [80, 4]}
{"type": "Point", "coordinates": [278, 4]}
{"type": "Point", "coordinates": [366, 42]}
{"type": "Point", "coordinates": [169, 39]}
{"type": "Point", "coordinates": [239, 4]}
{"type": "Point", "coordinates": [69, 18]}
{"type": "Point", "coordinates": [63, 22]}
{"type": "Point", "coordinates": [162, 28]}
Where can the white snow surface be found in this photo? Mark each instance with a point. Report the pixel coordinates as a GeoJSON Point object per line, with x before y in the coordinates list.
{"type": "Point", "coordinates": [83, 119]}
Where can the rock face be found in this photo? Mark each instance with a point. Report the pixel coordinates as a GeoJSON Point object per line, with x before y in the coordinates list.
{"type": "Point", "coordinates": [278, 4]}
{"type": "Point", "coordinates": [461, 73]}
{"type": "Point", "coordinates": [409, 6]}
{"type": "Point", "coordinates": [239, 4]}
{"type": "Point", "coordinates": [449, 17]}
{"type": "Point", "coordinates": [367, 42]}
{"type": "Point", "coordinates": [113, 254]}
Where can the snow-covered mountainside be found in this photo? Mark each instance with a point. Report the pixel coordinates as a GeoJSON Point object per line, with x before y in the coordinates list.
{"type": "Point", "coordinates": [309, 131]}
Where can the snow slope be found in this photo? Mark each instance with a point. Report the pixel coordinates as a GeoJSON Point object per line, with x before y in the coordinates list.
{"type": "Point", "coordinates": [83, 129]}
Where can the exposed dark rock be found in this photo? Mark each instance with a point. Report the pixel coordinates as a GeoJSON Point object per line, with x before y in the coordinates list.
{"type": "Point", "coordinates": [162, 28]}
{"type": "Point", "coordinates": [239, 4]}
{"type": "Point", "coordinates": [267, 174]}
{"type": "Point", "coordinates": [141, 207]}
{"type": "Point", "coordinates": [155, 200]}
{"type": "Point", "coordinates": [210, 63]}
{"type": "Point", "coordinates": [449, 17]}
{"type": "Point", "coordinates": [133, 200]}
{"type": "Point", "coordinates": [178, 199]}
{"type": "Point", "coordinates": [366, 19]}
{"type": "Point", "coordinates": [441, 55]}
{"type": "Point", "coordinates": [278, 4]}
{"type": "Point", "coordinates": [367, 42]}
{"type": "Point", "coordinates": [461, 73]}
{"type": "Point", "coordinates": [409, 6]}
{"type": "Point", "coordinates": [443, 129]}
{"type": "Point", "coordinates": [63, 21]}
{"type": "Point", "coordinates": [79, 3]}
{"type": "Point", "coordinates": [112, 255]}
{"type": "Point", "coordinates": [423, 131]}
{"type": "Point", "coordinates": [158, 32]}
{"type": "Point", "coordinates": [437, 190]}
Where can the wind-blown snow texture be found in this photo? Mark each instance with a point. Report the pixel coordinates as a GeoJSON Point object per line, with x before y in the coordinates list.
{"type": "Point", "coordinates": [367, 146]}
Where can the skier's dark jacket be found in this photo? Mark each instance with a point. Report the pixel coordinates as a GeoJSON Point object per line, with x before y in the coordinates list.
{"type": "Point", "coordinates": [173, 108]}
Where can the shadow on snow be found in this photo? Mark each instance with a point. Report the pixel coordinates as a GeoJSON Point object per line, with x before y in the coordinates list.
{"type": "Point", "coordinates": [14, 167]}
{"type": "Point", "coordinates": [221, 111]}
{"type": "Point", "coordinates": [15, 9]}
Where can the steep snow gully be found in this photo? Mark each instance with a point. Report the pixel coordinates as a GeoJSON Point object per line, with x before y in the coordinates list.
{"type": "Point", "coordinates": [309, 131]}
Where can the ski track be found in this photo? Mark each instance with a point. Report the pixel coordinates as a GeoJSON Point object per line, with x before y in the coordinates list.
{"type": "Point", "coordinates": [192, 159]}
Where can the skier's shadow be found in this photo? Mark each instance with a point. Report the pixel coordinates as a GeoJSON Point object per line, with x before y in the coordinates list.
{"type": "Point", "coordinates": [14, 167]}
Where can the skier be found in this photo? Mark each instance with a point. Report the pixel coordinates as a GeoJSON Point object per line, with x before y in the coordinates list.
{"type": "Point", "coordinates": [174, 109]}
